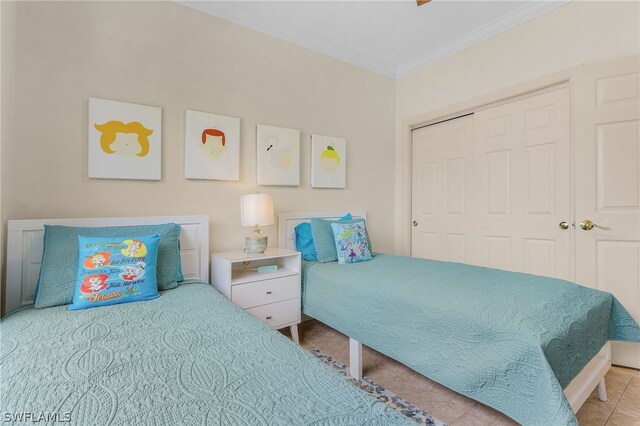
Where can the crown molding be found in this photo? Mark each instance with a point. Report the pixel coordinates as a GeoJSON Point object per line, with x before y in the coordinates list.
{"type": "Point", "coordinates": [270, 28]}
{"type": "Point", "coordinates": [519, 16]}
{"type": "Point", "coordinates": [506, 22]}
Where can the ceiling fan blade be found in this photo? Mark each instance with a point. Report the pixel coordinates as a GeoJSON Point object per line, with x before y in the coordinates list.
{"type": "Point", "coordinates": [421, 2]}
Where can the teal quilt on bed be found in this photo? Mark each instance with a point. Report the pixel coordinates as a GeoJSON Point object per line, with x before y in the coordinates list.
{"type": "Point", "coordinates": [189, 357]}
{"type": "Point", "coordinates": [509, 340]}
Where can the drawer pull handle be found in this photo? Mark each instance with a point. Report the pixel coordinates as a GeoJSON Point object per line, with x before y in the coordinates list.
{"type": "Point", "coordinates": [268, 292]}
{"type": "Point", "coordinates": [269, 317]}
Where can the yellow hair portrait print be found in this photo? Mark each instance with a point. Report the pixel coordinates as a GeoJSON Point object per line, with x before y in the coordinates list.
{"type": "Point", "coordinates": [125, 140]}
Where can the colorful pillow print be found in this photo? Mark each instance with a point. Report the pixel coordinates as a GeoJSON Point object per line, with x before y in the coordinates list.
{"type": "Point", "coordinates": [58, 270]}
{"type": "Point", "coordinates": [324, 240]}
{"type": "Point", "coordinates": [115, 270]}
{"type": "Point", "coordinates": [352, 244]}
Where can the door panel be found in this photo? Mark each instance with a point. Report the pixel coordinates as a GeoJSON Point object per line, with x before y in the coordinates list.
{"type": "Point", "coordinates": [607, 163]}
{"type": "Point", "coordinates": [617, 166]}
{"type": "Point", "coordinates": [443, 191]}
{"type": "Point", "coordinates": [523, 165]}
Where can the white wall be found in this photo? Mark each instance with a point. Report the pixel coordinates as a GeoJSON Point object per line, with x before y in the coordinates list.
{"type": "Point", "coordinates": [7, 82]}
{"type": "Point", "coordinates": [164, 54]}
{"type": "Point", "coordinates": [576, 33]}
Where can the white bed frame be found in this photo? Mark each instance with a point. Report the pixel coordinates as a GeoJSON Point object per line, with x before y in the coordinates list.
{"type": "Point", "coordinates": [25, 244]}
{"type": "Point", "coordinates": [577, 392]}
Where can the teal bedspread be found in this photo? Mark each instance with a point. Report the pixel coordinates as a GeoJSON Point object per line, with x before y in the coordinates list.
{"type": "Point", "coordinates": [189, 357]}
{"type": "Point", "coordinates": [509, 340]}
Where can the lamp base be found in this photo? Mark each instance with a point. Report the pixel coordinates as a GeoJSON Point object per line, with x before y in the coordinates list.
{"type": "Point", "coordinates": [255, 245]}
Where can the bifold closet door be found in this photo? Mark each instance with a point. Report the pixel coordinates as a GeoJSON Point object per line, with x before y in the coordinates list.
{"type": "Point", "coordinates": [492, 188]}
{"type": "Point", "coordinates": [607, 189]}
{"type": "Point", "coordinates": [442, 191]}
{"type": "Point", "coordinates": [522, 155]}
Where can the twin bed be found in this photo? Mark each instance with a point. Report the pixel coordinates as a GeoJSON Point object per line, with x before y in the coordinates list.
{"type": "Point", "coordinates": [511, 341]}
{"type": "Point", "coordinates": [187, 357]}
{"type": "Point", "coordinates": [532, 347]}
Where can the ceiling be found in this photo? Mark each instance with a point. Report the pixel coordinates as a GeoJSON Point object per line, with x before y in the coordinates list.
{"type": "Point", "coordinates": [392, 38]}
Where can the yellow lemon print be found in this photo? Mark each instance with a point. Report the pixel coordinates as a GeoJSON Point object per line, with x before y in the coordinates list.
{"type": "Point", "coordinates": [329, 159]}
{"type": "Point", "coordinates": [134, 248]}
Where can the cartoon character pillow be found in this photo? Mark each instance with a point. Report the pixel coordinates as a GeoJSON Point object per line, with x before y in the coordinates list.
{"type": "Point", "coordinates": [352, 243]}
{"type": "Point", "coordinates": [115, 270]}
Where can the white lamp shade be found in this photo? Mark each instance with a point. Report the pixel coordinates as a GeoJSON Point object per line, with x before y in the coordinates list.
{"type": "Point", "coordinates": [256, 209]}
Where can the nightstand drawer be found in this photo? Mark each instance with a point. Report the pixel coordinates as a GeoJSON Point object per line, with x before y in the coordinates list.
{"type": "Point", "coordinates": [278, 314]}
{"type": "Point", "coordinates": [264, 292]}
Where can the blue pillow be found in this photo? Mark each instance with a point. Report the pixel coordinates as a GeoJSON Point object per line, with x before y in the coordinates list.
{"type": "Point", "coordinates": [304, 241]}
{"type": "Point", "coordinates": [115, 270]}
{"type": "Point", "coordinates": [180, 274]}
{"type": "Point", "coordinates": [352, 243]}
{"type": "Point", "coordinates": [58, 271]}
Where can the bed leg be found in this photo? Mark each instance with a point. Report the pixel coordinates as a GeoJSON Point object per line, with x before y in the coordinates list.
{"type": "Point", "coordinates": [602, 390]}
{"type": "Point", "coordinates": [294, 333]}
{"type": "Point", "coordinates": [355, 359]}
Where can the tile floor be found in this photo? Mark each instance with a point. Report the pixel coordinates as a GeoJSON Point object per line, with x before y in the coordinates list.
{"type": "Point", "coordinates": [623, 387]}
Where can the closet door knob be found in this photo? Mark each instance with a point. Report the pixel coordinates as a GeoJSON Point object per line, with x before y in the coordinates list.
{"type": "Point", "coordinates": [415, 223]}
{"type": "Point", "coordinates": [563, 225]}
{"type": "Point", "coordinates": [587, 225]}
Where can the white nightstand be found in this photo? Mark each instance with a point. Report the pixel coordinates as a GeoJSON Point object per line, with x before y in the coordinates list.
{"type": "Point", "coordinates": [273, 297]}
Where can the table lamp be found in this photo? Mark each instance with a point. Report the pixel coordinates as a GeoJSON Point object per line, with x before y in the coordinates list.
{"type": "Point", "coordinates": [256, 210]}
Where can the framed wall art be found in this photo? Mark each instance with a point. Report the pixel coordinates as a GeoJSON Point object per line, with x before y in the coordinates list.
{"type": "Point", "coordinates": [124, 140]}
{"type": "Point", "coordinates": [278, 156]}
{"type": "Point", "coordinates": [212, 146]}
{"type": "Point", "coordinates": [328, 161]}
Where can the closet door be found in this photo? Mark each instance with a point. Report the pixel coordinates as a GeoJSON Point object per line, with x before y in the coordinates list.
{"type": "Point", "coordinates": [522, 155]}
{"type": "Point", "coordinates": [442, 191]}
{"type": "Point", "coordinates": [607, 192]}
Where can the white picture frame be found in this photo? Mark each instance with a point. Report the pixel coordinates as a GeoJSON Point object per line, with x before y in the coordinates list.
{"type": "Point", "coordinates": [211, 146]}
{"type": "Point", "coordinates": [278, 155]}
{"type": "Point", "coordinates": [328, 161]}
{"type": "Point", "coordinates": [125, 140]}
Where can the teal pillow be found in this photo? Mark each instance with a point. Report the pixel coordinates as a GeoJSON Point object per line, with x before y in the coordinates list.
{"type": "Point", "coordinates": [323, 238]}
{"type": "Point", "coordinates": [180, 274]}
{"type": "Point", "coordinates": [58, 271]}
{"type": "Point", "coordinates": [352, 244]}
{"type": "Point", "coordinates": [115, 270]}
{"type": "Point", "coordinates": [304, 241]}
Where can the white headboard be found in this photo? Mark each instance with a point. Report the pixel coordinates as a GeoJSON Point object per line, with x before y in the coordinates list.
{"type": "Point", "coordinates": [25, 244]}
{"type": "Point", "coordinates": [288, 221]}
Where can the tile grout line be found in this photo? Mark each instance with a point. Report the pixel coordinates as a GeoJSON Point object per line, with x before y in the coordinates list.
{"type": "Point", "coordinates": [464, 413]}
{"type": "Point", "coordinates": [617, 402]}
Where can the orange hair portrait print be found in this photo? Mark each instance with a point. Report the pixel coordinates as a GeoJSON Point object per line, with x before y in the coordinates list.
{"type": "Point", "coordinates": [94, 283]}
{"type": "Point", "coordinates": [213, 143]}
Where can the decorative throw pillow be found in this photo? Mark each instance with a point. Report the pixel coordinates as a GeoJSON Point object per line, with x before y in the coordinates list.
{"type": "Point", "coordinates": [304, 241]}
{"type": "Point", "coordinates": [324, 240]}
{"type": "Point", "coordinates": [352, 245]}
{"type": "Point", "coordinates": [115, 270]}
{"type": "Point", "coordinates": [60, 258]}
